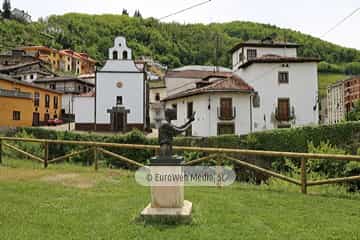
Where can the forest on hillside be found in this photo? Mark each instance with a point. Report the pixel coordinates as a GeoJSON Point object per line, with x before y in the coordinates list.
{"type": "Point", "coordinates": [173, 44]}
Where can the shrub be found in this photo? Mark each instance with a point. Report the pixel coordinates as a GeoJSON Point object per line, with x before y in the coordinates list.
{"type": "Point", "coordinates": [326, 167]}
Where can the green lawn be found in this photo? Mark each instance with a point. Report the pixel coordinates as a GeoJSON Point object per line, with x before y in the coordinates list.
{"type": "Point", "coordinates": [71, 202]}
{"type": "Point", "coordinates": [325, 79]}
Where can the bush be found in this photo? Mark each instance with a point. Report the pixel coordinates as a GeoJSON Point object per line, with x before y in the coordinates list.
{"type": "Point", "coordinates": [326, 167]}
{"type": "Point", "coordinates": [339, 138]}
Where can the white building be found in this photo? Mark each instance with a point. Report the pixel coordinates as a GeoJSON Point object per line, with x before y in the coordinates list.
{"type": "Point", "coordinates": [335, 102]}
{"type": "Point", "coordinates": [222, 106]}
{"type": "Point", "coordinates": [286, 86]}
{"type": "Point", "coordinates": [120, 99]}
{"type": "Point", "coordinates": [71, 87]}
{"type": "Point", "coordinates": [181, 79]}
{"type": "Point", "coordinates": [21, 15]}
{"type": "Point", "coordinates": [157, 90]}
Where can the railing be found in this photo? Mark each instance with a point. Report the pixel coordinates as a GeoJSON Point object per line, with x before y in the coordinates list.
{"type": "Point", "coordinates": [217, 155]}
{"type": "Point", "coordinates": [226, 117]}
{"type": "Point", "coordinates": [291, 115]}
{"type": "Point", "coordinates": [14, 93]}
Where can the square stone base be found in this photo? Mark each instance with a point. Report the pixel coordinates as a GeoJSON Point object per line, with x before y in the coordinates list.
{"type": "Point", "coordinates": [168, 214]}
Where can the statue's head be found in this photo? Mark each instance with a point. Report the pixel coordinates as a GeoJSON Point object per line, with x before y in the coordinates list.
{"type": "Point", "coordinates": [170, 114]}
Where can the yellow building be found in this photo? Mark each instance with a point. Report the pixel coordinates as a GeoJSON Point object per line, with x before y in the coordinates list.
{"type": "Point", "coordinates": [46, 54]}
{"type": "Point", "coordinates": [24, 104]}
{"type": "Point", "coordinates": [63, 60]}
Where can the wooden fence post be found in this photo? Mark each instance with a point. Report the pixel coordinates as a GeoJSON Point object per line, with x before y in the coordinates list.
{"type": "Point", "coordinates": [1, 151]}
{"type": "Point", "coordinates": [46, 154]}
{"type": "Point", "coordinates": [96, 166]}
{"type": "Point", "coordinates": [303, 176]}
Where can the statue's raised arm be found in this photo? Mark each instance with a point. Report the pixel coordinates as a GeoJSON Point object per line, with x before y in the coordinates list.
{"type": "Point", "coordinates": [167, 132]}
{"type": "Point", "coordinates": [184, 127]}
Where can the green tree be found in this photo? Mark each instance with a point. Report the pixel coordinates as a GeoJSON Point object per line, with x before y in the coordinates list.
{"type": "Point", "coordinates": [125, 12]}
{"type": "Point", "coordinates": [137, 14]}
{"type": "Point", "coordinates": [354, 115]}
{"type": "Point", "coordinates": [6, 13]}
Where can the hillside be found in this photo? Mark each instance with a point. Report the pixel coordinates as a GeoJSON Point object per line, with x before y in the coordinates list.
{"type": "Point", "coordinates": [170, 43]}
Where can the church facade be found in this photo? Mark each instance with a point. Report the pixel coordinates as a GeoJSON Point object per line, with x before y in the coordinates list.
{"type": "Point", "coordinates": [120, 99]}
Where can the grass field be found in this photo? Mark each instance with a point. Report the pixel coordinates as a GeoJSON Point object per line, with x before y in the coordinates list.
{"type": "Point", "coordinates": [325, 79]}
{"type": "Point", "coordinates": [73, 202]}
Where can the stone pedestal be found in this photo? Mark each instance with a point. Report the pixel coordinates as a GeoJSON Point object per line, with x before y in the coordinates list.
{"type": "Point", "coordinates": [167, 198]}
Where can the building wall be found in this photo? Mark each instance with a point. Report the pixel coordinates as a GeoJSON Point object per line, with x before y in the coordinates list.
{"type": "Point", "coordinates": [286, 52]}
{"type": "Point", "coordinates": [10, 104]}
{"type": "Point", "coordinates": [302, 90]}
{"type": "Point", "coordinates": [351, 93]}
{"type": "Point", "coordinates": [156, 106]}
{"type": "Point", "coordinates": [11, 59]}
{"type": "Point", "coordinates": [84, 109]}
{"type": "Point", "coordinates": [335, 103]}
{"type": "Point", "coordinates": [41, 109]}
{"type": "Point", "coordinates": [175, 85]}
{"type": "Point", "coordinates": [60, 61]}
{"type": "Point", "coordinates": [132, 92]}
{"type": "Point", "coordinates": [206, 120]}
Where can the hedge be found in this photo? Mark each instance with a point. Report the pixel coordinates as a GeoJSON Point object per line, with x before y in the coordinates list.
{"type": "Point", "coordinates": [344, 135]}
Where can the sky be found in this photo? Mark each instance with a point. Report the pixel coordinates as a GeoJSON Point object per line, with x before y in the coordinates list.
{"type": "Point", "coordinates": [314, 17]}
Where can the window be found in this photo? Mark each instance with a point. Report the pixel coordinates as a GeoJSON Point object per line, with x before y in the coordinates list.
{"type": "Point", "coordinates": [226, 112]}
{"type": "Point", "coordinates": [226, 128]}
{"type": "Point", "coordinates": [56, 102]}
{"type": "Point", "coordinates": [31, 76]}
{"type": "Point", "coordinates": [283, 113]}
{"type": "Point", "coordinates": [241, 55]}
{"type": "Point", "coordinates": [36, 99]}
{"type": "Point", "coordinates": [157, 96]}
{"type": "Point", "coordinates": [47, 101]}
{"type": "Point", "coordinates": [17, 89]}
{"type": "Point", "coordinates": [125, 55]}
{"type": "Point", "coordinates": [16, 115]}
{"type": "Point", "coordinates": [68, 67]}
{"type": "Point", "coordinates": [119, 100]}
{"type": "Point", "coordinates": [251, 54]}
{"type": "Point", "coordinates": [190, 109]}
{"type": "Point", "coordinates": [256, 100]}
{"type": "Point", "coordinates": [283, 77]}
{"type": "Point", "coordinates": [53, 85]}
{"type": "Point", "coordinates": [174, 106]}
{"type": "Point", "coordinates": [84, 89]}
{"type": "Point", "coordinates": [46, 117]}
{"type": "Point", "coordinates": [115, 55]}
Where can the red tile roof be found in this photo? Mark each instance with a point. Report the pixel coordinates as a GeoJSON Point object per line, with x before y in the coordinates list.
{"type": "Point", "coordinates": [227, 84]}
{"type": "Point", "coordinates": [196, 74]}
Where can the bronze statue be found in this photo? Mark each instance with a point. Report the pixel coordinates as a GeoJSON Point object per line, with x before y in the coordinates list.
{"type": "Point", "coordinates": [167, 132]}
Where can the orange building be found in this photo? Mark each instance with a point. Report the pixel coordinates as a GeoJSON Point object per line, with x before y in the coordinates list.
{"type": "Point", "coordinates": [351, 92]}
{"type": "Point", "coordinates": [63, 60]}
{"type": "Point", "coordinates": [24, 104]}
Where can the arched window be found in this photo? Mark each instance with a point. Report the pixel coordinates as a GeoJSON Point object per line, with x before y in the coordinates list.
{"type": "Point", "coordinates": [125, 55]}
{"type": "Point", "coordinates": [115, 55]}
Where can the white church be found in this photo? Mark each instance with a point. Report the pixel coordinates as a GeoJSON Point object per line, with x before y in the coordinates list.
{"type": "Point", "coordinates": [119, 102]}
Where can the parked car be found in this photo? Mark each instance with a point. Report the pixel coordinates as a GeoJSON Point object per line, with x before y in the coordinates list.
{"type": "Point", "coordinates": [54, 122]}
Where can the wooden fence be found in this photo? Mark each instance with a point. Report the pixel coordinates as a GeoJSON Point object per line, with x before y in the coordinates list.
{"type": "Point", "coordinates": [216, 155]}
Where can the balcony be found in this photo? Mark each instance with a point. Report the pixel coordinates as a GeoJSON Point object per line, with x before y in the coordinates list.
{"type": "Point", "coordinates": [225, 114]}
{"type": "Point", "coordinates": [14, 93]}
{"type": "Point", "coordinates": [285, 117]}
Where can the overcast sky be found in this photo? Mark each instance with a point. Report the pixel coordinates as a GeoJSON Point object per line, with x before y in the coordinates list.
{"type": "Point", "coordinates": [308, 16]}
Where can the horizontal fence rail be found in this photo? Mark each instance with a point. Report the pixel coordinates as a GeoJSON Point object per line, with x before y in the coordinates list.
{"type": "Point", "coordinates": [216, 155]}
